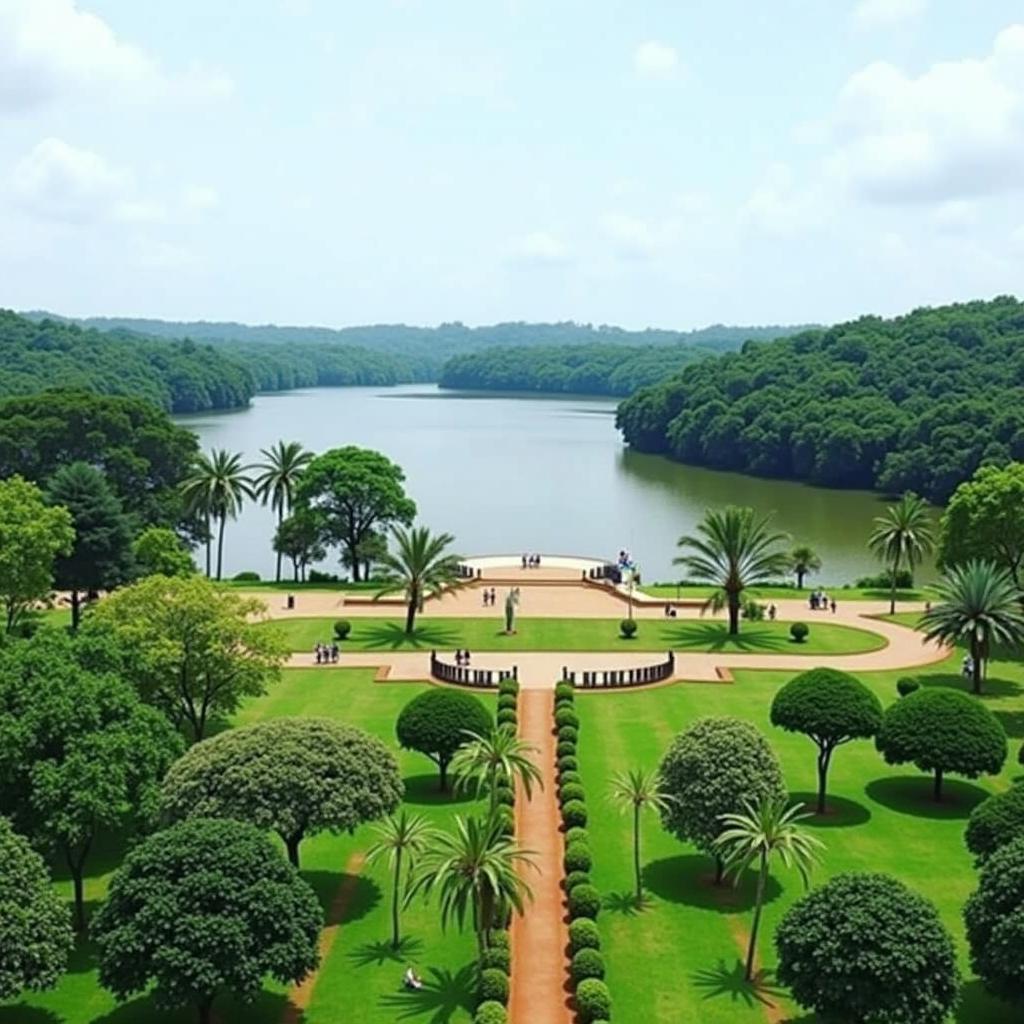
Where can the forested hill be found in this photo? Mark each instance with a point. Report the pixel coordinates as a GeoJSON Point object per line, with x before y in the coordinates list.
{"type": "Point", "coordinates": [916, 402]}
{"type": "Point", "coordinates": [579, 369]}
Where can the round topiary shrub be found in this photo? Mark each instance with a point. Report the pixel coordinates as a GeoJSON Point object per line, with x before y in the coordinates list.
{"type": "Point", "coordinates": [505, 795]}
{"type": "Point", "coordinates": [571, 791]}
{"type": "Point", "coordinates": [587, 963]}
{"type": "Point", "coordinates": [571, 776]}
{"type": "Point", "coordinates": [566, 748]}
{"type": "Point", "coordinates": [628, 627]}
{"type": "Point", "coordinates": [566, 716]}
{"type": "Point", "coordinates": [496, 957]}
{"type": "Point", "coordinates": [493, 986]}
{"type": "Point", "coordinates": [574, 813]}
{"type": "Point", "coordinates": [996, 821]}
{"type": "Point", "coordinates": [574, 878]}
{"type": "Point", "coordinates": [499, 940]}
{"type": "Point", "coordinates": [508, 686]}
{"type": "Point", "coordinates": [584, 901]}
{"type": "Point", "coordinates": [576, 835]}
{"type": "Point", "coordinates": [906, 685]}
{"type": "Point", "coordinates": [593, 1001]}
{"type": "Point", "coordinates": [248, 576]}
{"type": "Point", "coordinates": [564, 692]}
{"type": "Point", "coordinates": [507, 700]}
{"type": "Point", "coordinates": [342, 628]}
{"type": "Point", "coordinates": [490, 1013]}
{"type": "Point", "coordinates": [567, 763]}
{"type": "Point", "coordinates": [799, 631]}
{"type": "Point", "coordinates": [507, 716]}
{"type": "Point", "coordinates": [568, 733]}
{"type": "Point", "coordinates": [577, 857]}
{"type": "Point", "coordinates": [583, 934]}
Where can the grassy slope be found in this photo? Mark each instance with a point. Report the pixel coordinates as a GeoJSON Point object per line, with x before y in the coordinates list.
{"type": "Point", "coordinates": [678, 959]}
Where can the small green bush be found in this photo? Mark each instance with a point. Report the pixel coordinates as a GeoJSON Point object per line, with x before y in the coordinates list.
{"type": "Point", "coordinates": [571, 791]}
{"type": "Point", "coordinates": [576, 835]}
{"type": "Point", "coordinates": [507, 821]}
{"type": "Point", "coordinates": [566, 748]}
{"type": "Point", "coordinates": [507, 700]}
{"type": "Point", "coordinates": [753, 611]}
{"type": "Point", "coordinates": [627, 627]}
{"type": "Point", "coordinates": [565, 691]}
{"type": "Point", "coordinates": [505, 795]}
{"type": "Point", "coordinates": [342, 628]}
{"type": "Point", "coordinates": [568, 733]}
{"type": "Point", "coordinates": [593, 1001]}
{"type": "Point", "coordinates": [574, 878]}
{"type": "Point", "coordinates": [571, 776]}
{"type": "Point", "coordinates": [906, 685]}
{"type": "Point", "coordinates": [499, 940]}
{"type": "Point", "coordinates": [507, 716]}
{"type": "Point", "coordinates": [493, 986]}
{"type": "Point", "coordinates": [497, 957]}
{"type": "Point", "coordinates": [566, 716]}
{"type": "Point", "coordinates": [508, 686]}
{"type": "Point", "coordinates": [490, 1013]}
{"type": "Point", "coordinates": [587, 963]}
{"type": "Point", "coordinates": [567, 763]}
{"type": "Point", "coordinates": [577, 857]}
{"type": "Point", "coordinates": [583, 934]}
{"type": "Point", "coordinates": [574, 813]}
{"type": "Point", "coordinates": [584, 901]}
{"type": "Point", "coordinates": [799, 631]}
{"type": "Point", "coordinates": [246, 577]}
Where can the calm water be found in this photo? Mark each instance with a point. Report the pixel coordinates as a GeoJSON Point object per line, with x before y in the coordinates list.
{"type": "Point", "coordinates": [512, 474]}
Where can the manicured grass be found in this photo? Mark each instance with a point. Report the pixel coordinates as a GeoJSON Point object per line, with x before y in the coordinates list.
{"type": "Point", "coordinates": [290, 587]}
{"type": "Point", "coordinates": [381, 634]}
{"type": "Point", "coordinates": [679, 957]}
{"type": "Point", "coordinates": [361, 977]}
{"type": "Point", "coordinates": [844, 593]}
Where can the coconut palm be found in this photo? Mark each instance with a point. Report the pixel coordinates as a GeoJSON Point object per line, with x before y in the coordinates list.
{"type": "Point", "coordinates": [902, 538]}
{"type": "Point", "coordinates": [978, 602]}
{"type": "Point", "coordinates": [803, 560]}
{"type": "Point", "coordinates": [400, 838]}
{"type": "Point", "coordinates": [421, 568]}
{"type": "Point", "coordinates": [636, 791]}
{"type": "Point", "coordinates": [501, 758]}
{"type": "Point", "coordinates": [216, 489]}
{"type": "Point", "coordinates": [733, 549]}
{"type": "Point", "coordinates": [278, 478]}
{"type": "Point", "coordinates": [757, 835]}
{"type": "Point", "coordinates": [474, 871]}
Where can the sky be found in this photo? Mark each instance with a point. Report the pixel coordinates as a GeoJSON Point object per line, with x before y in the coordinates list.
{"type": "Point", "coordinates": [666, 163]}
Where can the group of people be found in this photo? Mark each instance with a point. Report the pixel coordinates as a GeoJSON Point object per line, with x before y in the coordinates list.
{"type": "Point", "coordinates": [968, 667]}
{"type": "Point", "coordinates": [326, 654]}
{"type": "Point", "coordinates": [670, 612]}
{"type": "Point", "coordinates": [531, 561]}
{"type": "Point", "coordinates": [819, 601]}
{"type": "Point", "coordinates": [462, 658]}
{"type": "Point", "coordinates": [490, 597]}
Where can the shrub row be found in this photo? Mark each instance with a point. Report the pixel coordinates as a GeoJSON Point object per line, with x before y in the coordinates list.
{"type": "Point", "coordinates": [593, 1000]}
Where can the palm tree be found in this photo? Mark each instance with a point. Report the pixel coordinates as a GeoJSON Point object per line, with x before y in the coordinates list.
{"type": "Point", "coordinates": [757, 835]}
{"type": "Point", "coordinates": [637, 791]}
{"type": "Point", "coordinates": [733, 550]}
{"type": "Point", "coordinates": [979, 603]}
{"type": "Point", "coordinates": [486, 762]}
{"type": "Point", "coordinates": [803, 560]}
{"type": "Point", "coordinates": [278, 478]}
{"type": "Point", "coordinates": [421, 568]}
{"type": "Point", "coordinates": [902, 537]}
{"type": "Point", "coordinates": [474, 871]}
{"type": "Point", "coordinates": [398, 838]}
{"type": "Point", "coordinates": [216, 489]}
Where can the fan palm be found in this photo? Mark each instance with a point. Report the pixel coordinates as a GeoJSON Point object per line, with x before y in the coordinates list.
{"type": "Point", "coordinates": [421, 568]}
{"type": "Point", "coordinates": [902, 537]}
{"type": "Point", "coordinates": [636, 791]}
{"type": "Point", "coordinates": [278, 478]}
{"type": "Point", "coordinates": [485, 762]}
{"type": "Point", "coordinates": [758, 834]}
{"type": "Point", "coordinates": [400, 838]}
{"type": "Point", "coordinates": [216, 489]}
{"type": "Point", "coordinates": [980, 603]}
{"type": "Point", "coordinates": [733, 549]}
{"type": "Point", "coordinates": [803, 560]}
{"type": "Point", "coordinates": [474, 871]}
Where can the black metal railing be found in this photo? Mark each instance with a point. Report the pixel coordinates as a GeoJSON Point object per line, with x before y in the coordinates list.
{"type": "Point", "coordinates": [464, 675]}
{"type": "Point", "coordinates": [615, 677]}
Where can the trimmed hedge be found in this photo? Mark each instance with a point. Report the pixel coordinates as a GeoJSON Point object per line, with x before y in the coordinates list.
{"type": "Point", "coordinates": [568, 732]}
{"type": "Point", "coordinates": [506, 716]}
{"type": "Point", "coordinates": [493, 986]}
{"type": "Point", "coordinates": [628, 628]}
{"type": "Point", "coordinates": [500, 940]}
{"type": "Point", "coordinates": [566, 748]}
{"type": "Point", "coordinates": [577, 835]}
{"type": "Point", "coordinates": [799, 631]}
{"type": "Point", "coordinates": [564, 778]}
{"type": "Point", "coordinates": [567, 763]}
{"type": "Point", "coordinates": [584, 901]}
{"type": "Point", "coordinates": [565, 691]}
{"type": "Point", "coordinates": [566, 716]}
{"type": "Point", "coordinates": [583, 934]}
{"type": "Point", "coordinates": [593, 1001]}
{"type": "Point", "coordinates": [490, 1013]}
{"type": "Point", "coordinates": [577, 857]}
{"type": "Point", "coordinates": [508, 686]}
{"type": "Point", "coordinates": [569, 792]}
{"type": "Point", "coordinates": [906, 685]}
{"type": "Point", "coordinates": [507, 700]}
{"type": "Point", "coordinates": [574, 878]}
{"type": "Point", "coordinates": [587, 963]}
{"type": "Point", "coordinates": [498, 958]}
{"type": "Point", "coordinates": [574, 813]}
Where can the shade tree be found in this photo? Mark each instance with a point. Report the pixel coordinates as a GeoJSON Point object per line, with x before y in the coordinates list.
{"type": "Point", "coordinates": [159, 551]}
{"type": "Point", "coordinates": [301, 539]}
{"type": "Point", "coordinates": [421, 566]}
{"type": "Point", "coordinates": [996, 821]}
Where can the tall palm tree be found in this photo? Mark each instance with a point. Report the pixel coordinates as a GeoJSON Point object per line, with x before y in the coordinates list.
{"type": "Point", "coordinates": [803, 560]}
{"type": "Point", "coordinates": [217, 488]}
{"type": "Point", "coordinates": [733, 549]}
{"type": "Point", "coordinates": [400, 838]}
{"type": "Point", "coordinates": [902, 537]}
{"type": "Point", "coordinates": [474, 872]}
{"type": "Point", "coordinates": [636, 791]}
{"type": "Point", "coordinates": [278, 478]}
{"type": "Point", "coordinates": [485, 762]}
{"type": "Point", "coordinates": [980, 603]}
{"type": "Point", "coordinates": [421, 568]}
{"type": "Point", "coordinates": [757, 835]}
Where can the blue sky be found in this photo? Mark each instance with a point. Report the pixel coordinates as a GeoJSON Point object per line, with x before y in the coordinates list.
{"type": "Point", "coordinates": [654, 163]}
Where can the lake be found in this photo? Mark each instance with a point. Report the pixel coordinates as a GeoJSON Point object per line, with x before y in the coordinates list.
{"type": "Point", "coordinates": [514, 473]}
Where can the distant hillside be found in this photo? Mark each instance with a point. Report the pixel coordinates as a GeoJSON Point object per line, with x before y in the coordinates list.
{"type": "Point", "coordinates": [916, 402]}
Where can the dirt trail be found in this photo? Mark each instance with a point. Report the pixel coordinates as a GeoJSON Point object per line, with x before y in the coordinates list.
{"type": "Point", "coordinates": [539, 993]}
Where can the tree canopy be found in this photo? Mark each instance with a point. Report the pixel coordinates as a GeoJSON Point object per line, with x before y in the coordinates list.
{"type": "Point", "coordinates": [159, 552]}
{"type": "Point", "coordinates": [996, 821]}
{"type": "Point", "coordinates": [297, 776]}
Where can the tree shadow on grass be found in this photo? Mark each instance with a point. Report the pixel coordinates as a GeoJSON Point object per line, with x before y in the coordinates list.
{"type": "Point", "coordinates": [625, 903]}
{"type": "Point", "coordinates": [382, 952]}
{"type": "Point", "coordinates": [363, 895]}
{"type": "Point", "coordinates": [992, 688]}
{"type": "Point", "coordinates": [714, 636]}
{"type": "Point", "coordinates": [444, 994]}
{"type": "Point", "coordinates": [22, 1014]}
{"type": "Point", "coordinates": [107, 852]}
{"type": "Point", "coordinates": [689, 879]}
{"type": "Point", "coordinates": [721, 980]}
{"type": "Point", "coordinates": [1012, 722]}
{"type": "Point", "coordinates": [266, 1008]}
{"type": "Point", "coordinates": [977, 1003]}
{"type": "Point", "coordinates": [392, 636]}
{"type": "Point", "coordinates": [912, 794]}
{"type": "Point", "coordinates": [839, 812]}
{"type": "Point", "coordinates": [423, 791]}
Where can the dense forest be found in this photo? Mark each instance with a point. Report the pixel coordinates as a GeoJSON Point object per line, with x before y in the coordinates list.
{"type": "Point", "coordinates": [580, 369]}
{"type": "Point", "coordinates": [916, 402]}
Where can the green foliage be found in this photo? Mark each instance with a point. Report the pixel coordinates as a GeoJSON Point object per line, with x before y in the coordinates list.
{"type": "Point", "coordinates": [342, 628]}
{"type": "Point", "coordinates": [942, 731]}
{"type": "Point", "coordinates": [158, 551]}
{"type": "Point", "coordinates": [566, 716]}
{"type": "Point", "coordinates": [503, 792]}
{"type": "Point", "coordinates": [882, 580]}
{"type": "Point", "coordinates": [35, 929]}
{"type": "Point", "coordinates": [247, 576]}
{"type": "Point", "coordinates": [493, 985]}
{"type": "Point", "coordinates": [436, 722]}
{"type": "Point", "coordinates": [902, 538]}
{"type": "Point", "coordinates": [577, 857]}
{"type": "Point", "coordinates": [564, 692]}
{"type": "Point", "coordinates": [569, 777]}
{"type": "Point", "coordinates": [996, 821]}
{"type": "Point", "coordinates": [865, 947]}
{"type": "Point", "coordinates": [421, 567]}
{"type": "Point", "coordinates": [568, 733]}
{"type": "Point", "coordinates": [570, 791]}
{"type": "Point", "coordinates": [593, 1001]}
{"type": "Point", "coordinates": [566, 748]}
{"type": "Point", "coordinates": [586, 963]}
{"type": "Point", "coordinates": [906, 685]}
{"type": "Point", "coordinates": [497, 958]}
{"type": "Point", "coordinates": [574, 878]}
{"type": "Point", "coordinates": [583, 934]}
{"type": "Point", "coordinates": [507, 700]}
{"type": "Point", "coordinates": [576, 834]}
{"type": "Point", "coordinates": [584, 901]}
{"type": "Point", "coordinates": [508, 686]}
{"type": "Point", "coordinates": [799, 631]}
{"type": "Point", "coordinates": [300, 538]}
{"type": "Point", "coordinates": [187, 894]}
{"type": "Point", "coordinates": [803, 559]}
{"type": "Point", "coordinates": [490, 1013]}
{"type": "Point", "coordinates": [296, 776]}
{"type": "Point", "coordinates": [994, 916]}
{"type": "Point", "coordinates": [567, 762]}
{"type": "Point", "coordinates": [574, 813]}
{"type": "Point", "coordinates": [506, 716]}
{"type": "Point", "coordinates": [628, 628]}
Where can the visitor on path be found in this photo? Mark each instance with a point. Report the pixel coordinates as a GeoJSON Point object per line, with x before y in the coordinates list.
{"type": "Point", "coordinates": [465, 657]}
{"type": "Point", "coordinates": [772, 612]}
{"type": "Point", "coordinates": [524, 561]}
{"type": "Point", "coordinates": [412, 980]}
{"type": "Point", "coordinates": [494, 596]}
{"type": "Point", "coordinates": [487, 597]}
{"type": "Point", "coordinates": [335, 651]}
{"type": "Point", "coordinates": [968, 667]}
{"type": "Point", "coordinates": [833, 606]}
{"type": "Point", "coordinates": [318, 650]}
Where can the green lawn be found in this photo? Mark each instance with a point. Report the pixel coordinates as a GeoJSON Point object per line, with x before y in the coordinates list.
{"type": "Point", "coordinates": [678, 959]}
{"type": "Point", "coordinates": [361, 978]}
{"type": "Point", "coordinates": [844, 593]}
{"type": "Point", "coordinates": [383, 634]}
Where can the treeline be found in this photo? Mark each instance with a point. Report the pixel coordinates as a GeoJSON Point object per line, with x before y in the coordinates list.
{"type": "Point", "coordinates": [579, 369]}
{"type": "Point", "coordinates": [913, 403]}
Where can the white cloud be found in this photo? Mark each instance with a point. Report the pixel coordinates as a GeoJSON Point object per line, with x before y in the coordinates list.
{"type": "Point", "coordinates": [540, 247]}
{"type": "Point", "coordinates": [634, 238]}
{"type": "Point", "coordinates": [955, 131]}
{"type": "Point", "coordinates": [655, 60]}
{"type": "Point", "coordinates": [779, 207]}
{"type": "Point", "coordinates": [51, 49]}
{"type": "Point", "coordinates": [199, 198]}
{"type": "Point", "coordinates": [870, 14]}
